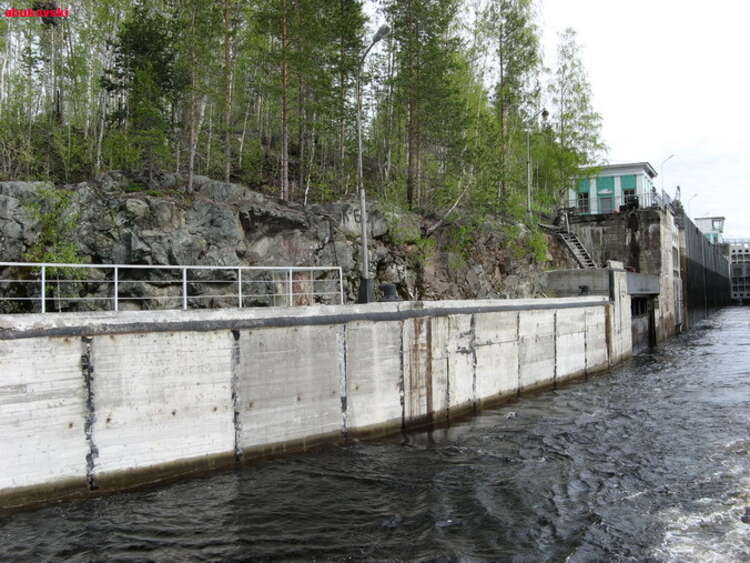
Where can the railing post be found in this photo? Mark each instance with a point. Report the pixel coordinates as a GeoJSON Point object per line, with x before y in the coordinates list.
{"type": "Point", "coordinates": [117, 305]}
{"type": "Point", "coordinates": [184, 289]}
{"type": "Point", "coordinates": [43, 294]}
{"type": "Point", "coordinates": [341, 285]}
{"type": "Point", "coordinates": [239, 285]}
{"type": "Point", "coordinates": [291, 297]}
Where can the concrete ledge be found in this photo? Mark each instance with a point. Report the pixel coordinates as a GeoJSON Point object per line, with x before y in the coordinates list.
{"type": "Point", "coordinates": [165, 472]}
{"type": "Point", "coordinates": [13, 327]}
{"type": "Point", "coordinates": [388, 428]}
{"type": "Point", "coordinates": [265, 451]}
{"type": "Point", "coordinates": [37, 495]}
{"type": "Point", "coordinates": [571, 377]}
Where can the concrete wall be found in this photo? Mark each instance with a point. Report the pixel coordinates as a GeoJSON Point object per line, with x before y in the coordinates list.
{"type": "Point", "coordinates": [645, 241]}
{"type": "Point", "coordinates": [705, 281]}
{"type": "Point", "coordinates": [105, 401]}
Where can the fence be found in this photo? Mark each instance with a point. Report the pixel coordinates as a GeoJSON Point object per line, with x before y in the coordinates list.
{"type": "Point", "coordinates": [610, 204]}
{"type": "Point", "coordinates": [32, 287]}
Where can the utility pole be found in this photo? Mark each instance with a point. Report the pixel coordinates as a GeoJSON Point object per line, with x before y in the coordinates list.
{"type": "Point", "coordinates": [544, 113]}
{"type": "Point", "coordinates": [365, 281]}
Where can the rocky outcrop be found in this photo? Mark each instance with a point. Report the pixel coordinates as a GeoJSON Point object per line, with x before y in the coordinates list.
{"type": "Point", "coordinates": [228, 225]}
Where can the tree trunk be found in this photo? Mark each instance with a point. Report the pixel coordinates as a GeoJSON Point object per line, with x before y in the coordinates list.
{"type": "Point", "coordinates": [209, 139]}
{"type": "Point", "coordinates": [301, 134]}
{"type": "Point", "coordinates": [242, 137]}
{"type": "Point", "coordinates": [228, 83]}
{"type": "Point", "coordinates": [284, 104]}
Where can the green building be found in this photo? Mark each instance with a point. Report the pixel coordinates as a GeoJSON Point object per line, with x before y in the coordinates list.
{"type": "Point", "coordinates": [613, 186]}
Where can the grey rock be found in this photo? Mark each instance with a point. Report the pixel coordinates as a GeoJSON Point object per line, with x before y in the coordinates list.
{"type": "Point", "coordinates": [137, 207]}
{"type": "Point", "coordinates": [230, 225]}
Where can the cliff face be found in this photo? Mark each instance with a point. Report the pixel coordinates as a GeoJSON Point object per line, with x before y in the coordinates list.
{"type": "Point", "coordinates": [228, 224]}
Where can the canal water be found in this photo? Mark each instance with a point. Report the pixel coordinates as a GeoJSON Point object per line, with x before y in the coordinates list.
{"type": "Point", "coordinates": [648, 462]}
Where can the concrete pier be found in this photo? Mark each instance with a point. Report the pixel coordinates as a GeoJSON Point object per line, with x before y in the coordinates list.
{"type": "Point", "coordinates": [94, 402]}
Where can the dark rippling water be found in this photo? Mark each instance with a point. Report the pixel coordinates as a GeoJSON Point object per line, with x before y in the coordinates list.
{"type": "Point", "coordinates": [649, 462]}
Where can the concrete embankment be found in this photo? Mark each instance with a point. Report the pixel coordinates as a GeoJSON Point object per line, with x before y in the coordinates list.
{"type": "Point", "coordinates": [96, 402]}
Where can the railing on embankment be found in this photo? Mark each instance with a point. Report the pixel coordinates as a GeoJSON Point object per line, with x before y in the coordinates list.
{"type": "Point", "coordinates": [27, 287]}
{"type": "Point", "coordinates": [103, 401]}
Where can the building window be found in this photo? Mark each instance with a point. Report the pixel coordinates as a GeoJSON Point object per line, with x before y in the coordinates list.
{"type": "Point", "coordinates": [628, 195]}
{"type": "Point", "coordinates": [582, 202]}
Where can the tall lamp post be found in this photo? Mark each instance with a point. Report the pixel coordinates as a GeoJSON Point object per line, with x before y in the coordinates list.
{"type": "Point", "coordinates": [365, 282]}
{"type": "Point", "coordinates": [544, 113]}
{"type": "Point", "coordinates": [661, 170]}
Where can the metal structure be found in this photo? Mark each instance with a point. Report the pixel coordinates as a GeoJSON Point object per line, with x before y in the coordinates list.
{"type": "Point", "coordinates": [365, 282]}
{"type": "Point", "coordinates": [575, 247]}
{"type": "Point", "coordinates": [570, 240]}
{"type": "Point", "coordinates": [33, 287]}
{"type": "Point", "coordinates": [610, 204]}
{"type": "Point", "coordinates": [739, 250]}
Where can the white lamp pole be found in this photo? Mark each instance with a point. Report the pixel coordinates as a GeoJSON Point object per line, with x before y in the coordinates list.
{"type": "Point", "coordinates": [544, 113]}
{"type": "Point", "coordinates": [661, 170]}
{"type": "Point", "coordinates": [365, 291]}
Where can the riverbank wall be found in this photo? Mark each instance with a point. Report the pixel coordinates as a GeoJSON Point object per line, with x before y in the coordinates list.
{"type": "Point", "coordinates": [96, 402]}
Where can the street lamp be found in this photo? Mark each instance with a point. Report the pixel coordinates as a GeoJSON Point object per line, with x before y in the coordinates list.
{"type": "Point", "coordinates": [365, 283]}
{"type": "Point", "coordinates": [661, 170]}
{"type": "Point", "coordinates": [544, 113]}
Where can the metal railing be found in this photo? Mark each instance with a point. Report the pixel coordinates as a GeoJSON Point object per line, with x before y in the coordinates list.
{"type": "Point", "coordinates": [27, 287]}
{"type": "Point", "coordinates": [611, 204]}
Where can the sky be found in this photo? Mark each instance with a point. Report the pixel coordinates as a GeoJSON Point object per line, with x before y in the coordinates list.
{"type": "Point", "coordinates": [670, 77]}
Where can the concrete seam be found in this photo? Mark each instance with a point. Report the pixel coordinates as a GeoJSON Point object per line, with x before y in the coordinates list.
{"type": "Point", "coordinates": [518, 355]}
{"type": "Point", "coordinates": [447, 388]}
{"type": "Point", "coordinates": [473, 346]}
{"type": "Point", "coordinates": [401, 383]}
{"type": "Point", "coordinates": [554, 339]}
{"type": "Point", "coordinates": [235, 386]}
{"type": "Point", "coordinates": [428, 371]}
{"type": "Point", "coordinates": [586, 342]}
{"type": "Point", "coordinates": [87, 370]}
{"type": "Point", "coordinates": [341, 342]}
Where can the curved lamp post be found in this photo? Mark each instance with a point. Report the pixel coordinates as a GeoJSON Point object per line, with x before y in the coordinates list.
{"type": "Point", "coordinates": [544, 113]}
{"type": "Point", "coordinates": [661, 170]}
{"type": "Point", "coordinates": [365, 282]}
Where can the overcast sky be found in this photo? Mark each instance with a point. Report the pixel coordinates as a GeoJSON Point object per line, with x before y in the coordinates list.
{"type": "Point", "coordinates": [671, 77]}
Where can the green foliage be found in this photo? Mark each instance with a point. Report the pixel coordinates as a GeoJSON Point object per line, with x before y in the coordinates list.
{"type": "Point", "coordinates": [403, 227]}
{"type": "Point", "coordinates": [120, 153]}
{"type": "Point", "coordinates": [52, 210]}
{"type": "Point", "coordinates": [577, 124]}
{"type": "Point", "coordinates": [537, 243]}
{"type": "Point", "coordinates": [144, 70]}
{"type": "Point", "coordinates": [134, 84]}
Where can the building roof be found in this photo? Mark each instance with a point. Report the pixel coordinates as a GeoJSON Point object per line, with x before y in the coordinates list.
{"type": "Point", "coordinates": [614, 167]}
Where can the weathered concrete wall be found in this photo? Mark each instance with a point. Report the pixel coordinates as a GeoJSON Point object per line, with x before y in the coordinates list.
{"type": "Point", "coordinates": [43, 415]}
{"type": "Point", "coordinates": [565, 283]}
{"type": "Point", "coordinates": [705, 281]}
{"type": "Point", "coordinates": [645, 241]}
{"type": "Point", "coordinates": [373, 375]}
{"type": "Point", "coordinates": [288, 386]}
{"type": "Point", "coordinates": [693, 274]}
{"type": "Point", "coordinates": [619, 325]}
{"type": "Point", "coordinates": [105, 401]}
{"type": "Point", "coordinates": [158, 398]}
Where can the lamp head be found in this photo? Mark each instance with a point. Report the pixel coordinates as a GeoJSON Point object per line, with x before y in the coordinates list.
{"type": "Point", "coordinates": [381, 33]}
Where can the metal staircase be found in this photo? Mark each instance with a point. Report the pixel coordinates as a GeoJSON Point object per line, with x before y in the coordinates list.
{"type": "Point", "coordinates": [576, 248]}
